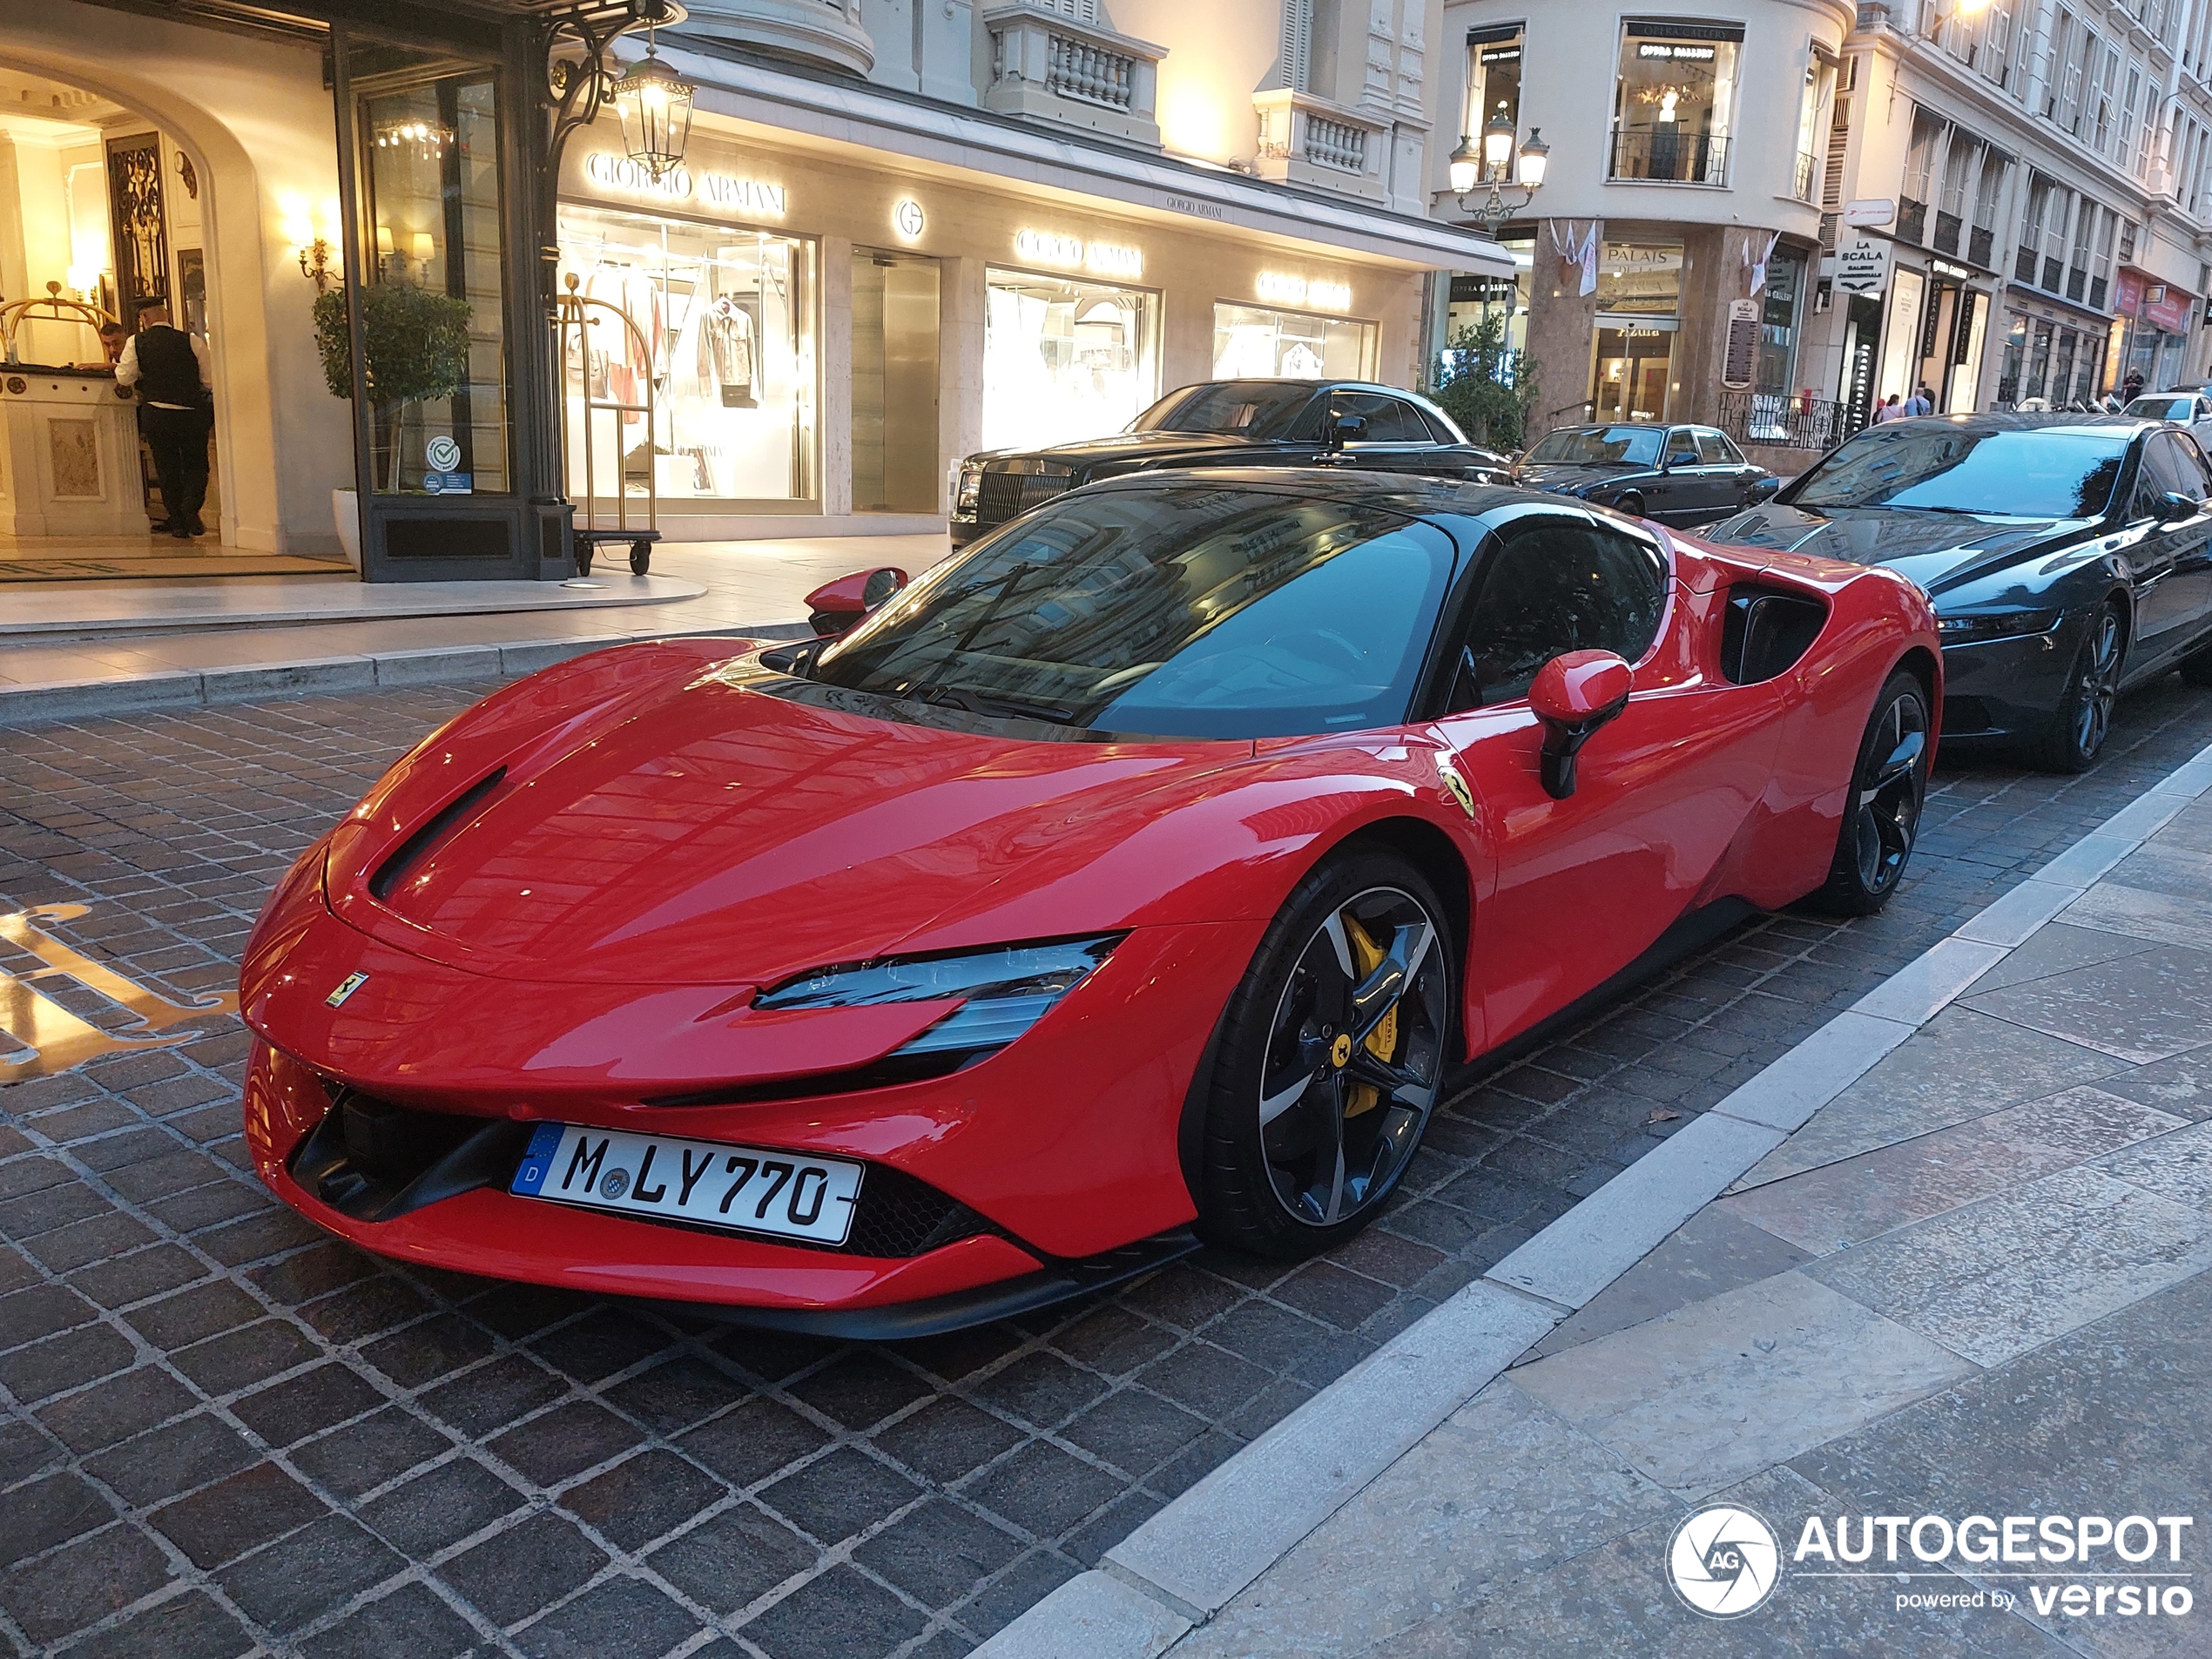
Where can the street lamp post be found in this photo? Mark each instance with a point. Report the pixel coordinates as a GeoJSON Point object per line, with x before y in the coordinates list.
{"type": "Point", "coordinates": [1472, 167]}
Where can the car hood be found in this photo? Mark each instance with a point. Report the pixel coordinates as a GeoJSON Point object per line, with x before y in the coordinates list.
{"type": "Point", "coordinates": [735, 826]}
{"type": "Point", "coordinates": [1938, 551]}
{"type": "Point", "coordinates": [1572, 474]}
{"type": "Point", "coordinates": [1128, 446]}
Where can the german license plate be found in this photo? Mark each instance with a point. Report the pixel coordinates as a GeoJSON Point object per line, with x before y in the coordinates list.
{"type": "Point", "coordinates": [709, 1182]}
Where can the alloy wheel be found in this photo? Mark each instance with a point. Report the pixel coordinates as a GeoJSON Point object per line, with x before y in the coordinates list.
{"type": "Point", "coordinates": [1354, 1056]}
{"type": "Point", "coordinates": [2100, 684]}
{"type": "Point", "coordinates": [1888, 793]}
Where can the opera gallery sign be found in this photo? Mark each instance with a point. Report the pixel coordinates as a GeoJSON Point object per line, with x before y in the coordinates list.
{"type": "Point", "coordinates": [1863, 265]}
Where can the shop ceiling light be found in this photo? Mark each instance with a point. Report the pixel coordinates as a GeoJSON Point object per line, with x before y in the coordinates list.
{"type": "Point", "coordinates": [654, 105]}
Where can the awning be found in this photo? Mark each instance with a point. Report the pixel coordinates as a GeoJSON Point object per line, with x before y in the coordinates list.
{"type": "Point", "coordinates": [1023, 153]}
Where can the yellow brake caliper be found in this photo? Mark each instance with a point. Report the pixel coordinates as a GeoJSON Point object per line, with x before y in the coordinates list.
{"type": "Point", "coordinates": [1382, 1041]}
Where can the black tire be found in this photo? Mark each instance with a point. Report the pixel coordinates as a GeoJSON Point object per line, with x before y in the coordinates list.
{"type": "Point", "coordinates": [2082, 720]}
{"type": "Point", "coordinates": [1632, 505]}
{"type": "Point", "coordinates": [1292, 1174]}
{"type": "Point", "coordinates": [583, 552]}
{"type": "Point", "coordinates": [641, 557]}
{"type": "Point", "coordinates": [1889, 785]}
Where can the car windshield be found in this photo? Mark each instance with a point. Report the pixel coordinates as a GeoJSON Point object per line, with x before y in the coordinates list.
{"type": "Point", "coordinates": [1599, 446]}
{"type": "Point", "coordinates": [2162, 408]}
{"type": "Point", "coordinates": [1242, 409]}
{"type": "Point", "coordinates": [2048, 472]}
{"type": "Point", "coordinates": [1179, 611]}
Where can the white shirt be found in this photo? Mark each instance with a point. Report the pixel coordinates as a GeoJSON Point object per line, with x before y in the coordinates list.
{"type": "Point", "coordinates": [126, 368]}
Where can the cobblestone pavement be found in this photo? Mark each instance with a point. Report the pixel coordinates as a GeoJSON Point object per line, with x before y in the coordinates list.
{"type": "Point", "coordinates": [220, 1430]}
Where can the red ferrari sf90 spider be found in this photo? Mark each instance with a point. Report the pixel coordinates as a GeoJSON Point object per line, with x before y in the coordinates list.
{"type": "Point", "coordinates": [1143, 871]}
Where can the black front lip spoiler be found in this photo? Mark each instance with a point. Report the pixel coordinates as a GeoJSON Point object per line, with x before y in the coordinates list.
{"type": "Point", "coordinates": [937, 1315]}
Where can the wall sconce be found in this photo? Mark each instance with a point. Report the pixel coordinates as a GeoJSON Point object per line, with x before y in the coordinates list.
{"type": "Point", "coordinates": [425, 247]}
{"type": "Point", "coordinates": [313, 252]}
{"type": "Point", "coordinates": [655, 106]}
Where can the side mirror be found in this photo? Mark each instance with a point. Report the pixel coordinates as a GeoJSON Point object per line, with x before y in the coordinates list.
{"type": "Point", "coordinates": [2174, 507]}
{"type": "Point", "coordinates": [1344, 428]}
{"type": "Point", "coordinates": [1574, 695]}
{"type": "Point", "coordinates": [835, 607]}
{"type": "Point", "coordinates": [1764, 489]}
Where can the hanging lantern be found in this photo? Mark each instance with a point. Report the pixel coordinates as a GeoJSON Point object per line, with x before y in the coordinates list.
{"type": "Point", "coordinates": [654, 105]}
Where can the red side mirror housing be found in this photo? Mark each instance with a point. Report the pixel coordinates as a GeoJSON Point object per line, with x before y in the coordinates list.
{"type": "Point", "coordinates": [1574, 695]}
{"type": "Point", "coordinates": [834, 607]}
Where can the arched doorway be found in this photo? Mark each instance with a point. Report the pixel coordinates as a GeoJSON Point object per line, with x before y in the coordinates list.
{"type": "Point", "coordinates": [105, 208]}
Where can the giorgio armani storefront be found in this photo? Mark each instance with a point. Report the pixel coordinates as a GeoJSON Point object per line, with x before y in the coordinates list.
{"type": "Point", "coordinates": [781, 341]}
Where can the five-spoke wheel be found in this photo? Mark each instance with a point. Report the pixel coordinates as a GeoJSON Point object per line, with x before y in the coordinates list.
{"type": "Point", "coordinates": [1882, 812]}
{"type": "Point", "coordinates": [1334, 1050]}
{"type": "Point", "coordinates": [2083, 718]}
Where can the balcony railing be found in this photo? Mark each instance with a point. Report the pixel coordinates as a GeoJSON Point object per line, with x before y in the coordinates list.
{"type": "Point", "coordinates": [1785, 420]}
{"type": "Point", "coordinates": [2024, 265]}
{"type": "Point", "coordinates": [1048, 64]}
{"type": "Point", "coordinates": [1669, 156]}
{"type": "Point", "coordinates": [1801, 181]}
{"type": "Point", "coordinates": [1979, 245]}
{"type": "Point", "coordinates": [2077, 281]}
{"type": "Point", "coordinates": [1947, 229]}
{"type": "Point", "coordinates": [1911, 221]}
{"type": "Point", "coordinates": [1307, 140]}
{"type": "Point", "coordinates": [2053, 273]}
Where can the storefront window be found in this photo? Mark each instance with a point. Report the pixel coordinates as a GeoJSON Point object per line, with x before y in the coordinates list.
{"type": "Point", "coordinates": [1474, 298]}
{"type": "Point", "coordinates": [1252, 343]}
{"type": "Point", "coordinates": [1676, 94]}
{"type": "Point", "coordinates": [436, 289]}
{"type": "Point", "coordinates": [1786, 278]}
{"type": "Point", "coordinates": [1639, 294]}
{"type": "Point", "coordinates": [1064, 359]}
{"type": "Point", "coordinates": [1494, 78]}
{"type": "Point", "coordinates": [721, 335]}
{"type": "Point", "coordinates": [1901, 346]}
{"type": "Point", "coordinates": [2014, 361]}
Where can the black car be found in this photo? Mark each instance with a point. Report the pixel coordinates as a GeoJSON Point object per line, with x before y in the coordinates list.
{"type": "Point", "coordinates": [1676, 475]}
{"type": "Point", "coordinates": [2069, 558]}
{"type": "Point", "coordinates": [1231, 423]}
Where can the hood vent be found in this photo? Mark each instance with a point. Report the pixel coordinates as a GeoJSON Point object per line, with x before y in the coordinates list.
{"type": "Point", "coordinates": [417, 845]}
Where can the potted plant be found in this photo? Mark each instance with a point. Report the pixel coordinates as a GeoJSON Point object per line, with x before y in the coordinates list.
{"type": "Point", "coordinates": [1485, 385]}
{"type": "Point", "coordinates": [416, 346]}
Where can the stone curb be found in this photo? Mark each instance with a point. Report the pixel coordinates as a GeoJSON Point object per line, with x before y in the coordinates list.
{"type": "Point", "coordinates": [194, 688]}
{"type": "Point", "coordinates": [1192, 1558]}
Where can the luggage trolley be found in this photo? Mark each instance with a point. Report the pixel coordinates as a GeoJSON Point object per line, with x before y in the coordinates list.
{"type": "Point", "coordinates": [577, 319]}
{"type": "Point", "coordinates": [55, 308]}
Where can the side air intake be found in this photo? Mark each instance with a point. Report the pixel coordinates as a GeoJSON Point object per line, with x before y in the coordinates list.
{"type": "Point", "coordinates": [417, 847]}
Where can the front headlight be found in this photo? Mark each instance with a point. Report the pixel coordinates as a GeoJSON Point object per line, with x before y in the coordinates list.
{"type": "Point", "coordinates": [1972, 627]}
{"type": "Point", "coordinates": [1006, 991]}
{"type": "Point", "coordinates": [971, 486]}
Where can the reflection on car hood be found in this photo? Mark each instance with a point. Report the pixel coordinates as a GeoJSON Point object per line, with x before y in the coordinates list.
{"type": "Point", "coordinates": [715, 833]}
{"type": "Point", "coordinates": [1938, 551]}
{"type": "Point", "coordinates": [1572, 474]}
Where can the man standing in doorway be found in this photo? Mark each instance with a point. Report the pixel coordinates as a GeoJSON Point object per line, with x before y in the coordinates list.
{"type": "Point", "coordinates": [172, 374]}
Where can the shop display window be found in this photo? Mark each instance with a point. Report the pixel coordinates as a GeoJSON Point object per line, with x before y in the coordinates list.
{"type": "Point", "coordinates": [720, 334]}
{"type": "Point", "coordinates": [1251, 343]}
{"type": "Point", "coordinates": [437, 289]}
{"type": "Point", "coordinates": [1474, 298]}
{"type": "Point", "coordinates": [1675, 96]}
{"type": "Point", "coordinates": [1064, 359]}
{"type": "Point", "coordinates": [1494, 77]}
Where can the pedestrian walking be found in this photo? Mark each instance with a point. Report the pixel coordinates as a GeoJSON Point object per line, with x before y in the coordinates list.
{"type": "Point", "coordinates": [171, 373]}
{"type": "Point", "coordinates": [1888, 410]}
{"type": "Point", "coordinates": [2131, 388]}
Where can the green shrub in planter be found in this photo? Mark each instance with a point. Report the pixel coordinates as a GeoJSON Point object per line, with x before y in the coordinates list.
{"type": "Point", "coordinates": [1485, 385]}
{"type": "Point", "coordinates": [417, 346]}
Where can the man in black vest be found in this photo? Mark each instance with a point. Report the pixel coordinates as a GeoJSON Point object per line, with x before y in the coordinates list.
{"type": "Point", "coordinates": [171, 370]}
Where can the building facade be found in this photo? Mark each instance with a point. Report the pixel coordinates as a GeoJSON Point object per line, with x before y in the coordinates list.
{"type": "Point", "coordinates": [901, 231]}
{"type": "Point", "coordinates": [1776, 215]}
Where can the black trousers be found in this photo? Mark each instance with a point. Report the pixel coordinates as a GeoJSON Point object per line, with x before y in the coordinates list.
{"type": "Point", "coordinates": [178, 440]}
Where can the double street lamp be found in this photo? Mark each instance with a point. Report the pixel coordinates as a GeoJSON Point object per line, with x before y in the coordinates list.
{"type": "Point", "coordinates": [1472, 167]}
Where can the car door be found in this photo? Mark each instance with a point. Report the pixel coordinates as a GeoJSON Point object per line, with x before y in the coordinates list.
{"type": "Point", "coordinates": [1676, 495]}
{"type": "Point", "coordinates": [1731, 476]}
{"type": "Point", "coordinates": [2168, 557]}
{"type": "Point", "coordinates": [1586, 884]}
{"type": "Point", "coordinates": [2190, 579]}
{"type": "Point", "coordinates": [1396, 438]}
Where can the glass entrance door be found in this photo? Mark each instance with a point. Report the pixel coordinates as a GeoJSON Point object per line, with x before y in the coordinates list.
{"type": "Point", "coordinates": [1634, 369]}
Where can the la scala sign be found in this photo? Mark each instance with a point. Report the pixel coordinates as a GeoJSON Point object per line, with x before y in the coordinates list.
{"type": "Point", "coordinates": [724, 191]}
{"type": "Point", "coordinates": [1863, 265]}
